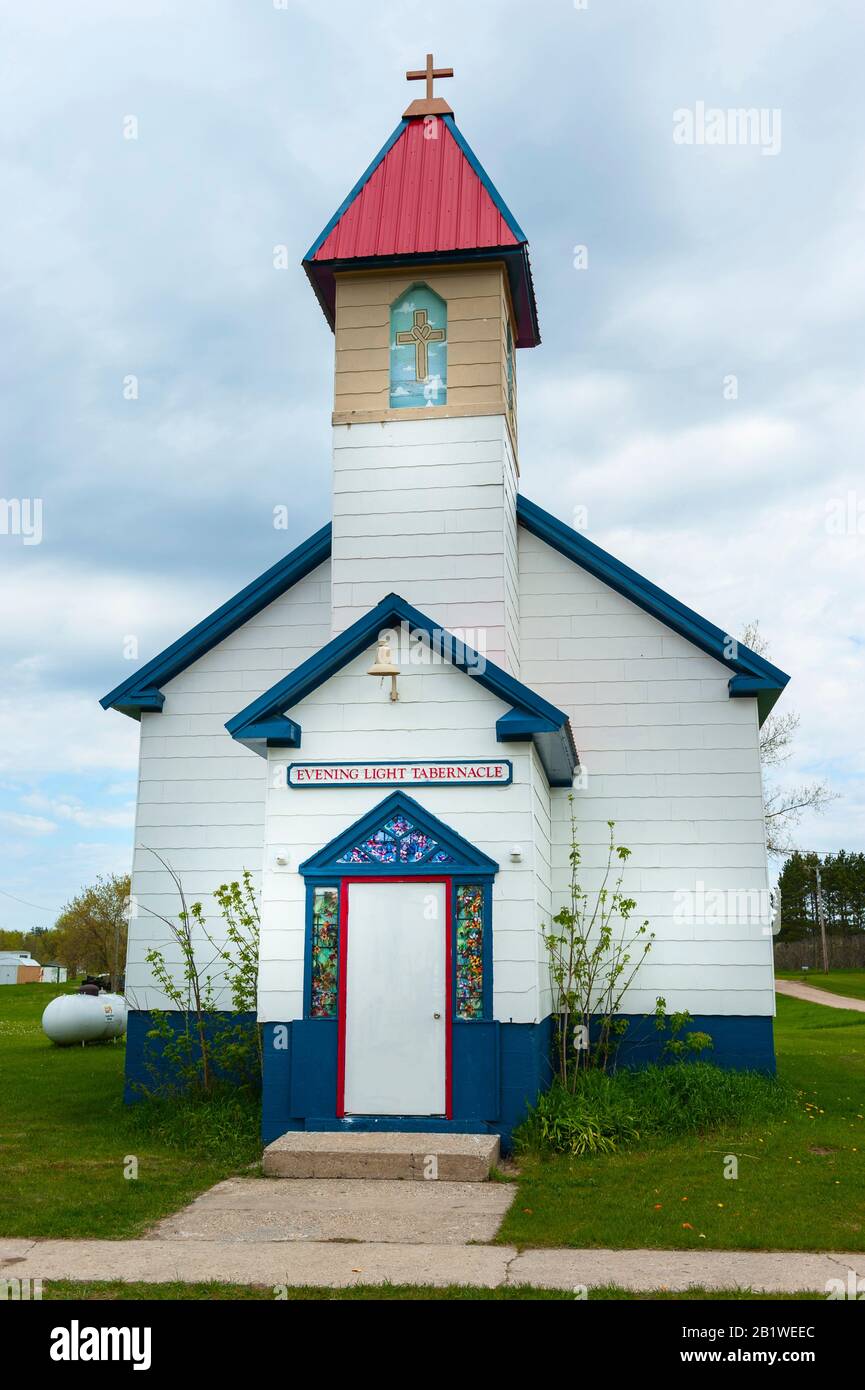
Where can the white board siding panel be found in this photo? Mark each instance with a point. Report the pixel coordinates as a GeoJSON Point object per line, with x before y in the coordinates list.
{"type": "Point", "coordinates": [673, 761]}
{"type": "Point", "coordinates": [543, 856]}
{"type": "Point", "coordinates": [299, 821]}
{"type": "Point", "coordinates": [200, 793]}
{"type": "Point", "coordinates": [401, 489]}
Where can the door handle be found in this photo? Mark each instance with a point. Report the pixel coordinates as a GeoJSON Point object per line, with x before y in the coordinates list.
{"type": "Point", "coordinates": [436, 1015]}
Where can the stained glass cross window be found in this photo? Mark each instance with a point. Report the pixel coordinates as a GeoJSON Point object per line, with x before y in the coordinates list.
{"type": "Point", "coordinates": [418, 349]}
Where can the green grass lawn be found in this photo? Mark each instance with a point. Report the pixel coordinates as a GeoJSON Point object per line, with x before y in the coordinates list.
{"type": "Point", "coordinates": [849, 982]}
{"type": "Point", "coordinates": [364, 1293]}
{"type": "Point", "coordinates": [65, 1135]}
{"type": "Point", "coordinates": [801, 1183]}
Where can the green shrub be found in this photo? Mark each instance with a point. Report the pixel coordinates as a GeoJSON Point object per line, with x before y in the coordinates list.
{"type": "Point", "coordinates": [593, 1118]}
{"type": "Point", "coordinates": [221, 1126]}
{"type": "Point", "coordinates": [607, 1112]}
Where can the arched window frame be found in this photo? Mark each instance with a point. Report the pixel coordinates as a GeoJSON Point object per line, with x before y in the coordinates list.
{"type": "Point", "coordinates": [406, 391]}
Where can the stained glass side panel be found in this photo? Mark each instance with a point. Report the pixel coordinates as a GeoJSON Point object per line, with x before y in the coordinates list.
{"type": "Point", "coordinates": [470, 940]}
{"type": "Point", "coordinates": [325, 952]}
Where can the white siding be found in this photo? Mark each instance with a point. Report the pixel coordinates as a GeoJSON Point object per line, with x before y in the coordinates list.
{"type": "Point", "coordinates": [440, 713]}
{"type": "Point", "coordinates": [426, 509]}
{"type": "Point", "coordinates": [542, 807]}
{"type": "Point", "coordinates": [675, 763]}
{"type": "Point", "coordinates": [200, 793]}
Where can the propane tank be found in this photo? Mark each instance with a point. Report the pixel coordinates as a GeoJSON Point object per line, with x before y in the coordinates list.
{"type": "Point", "coordinates": [79, 1018]}
{"type": "Point", "coordinates": [114, 1011]}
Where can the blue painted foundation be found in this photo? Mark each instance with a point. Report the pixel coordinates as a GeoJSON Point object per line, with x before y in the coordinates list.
{"type": "Point", "coordinates": [498, 1070]}
{"type": "Point", "coordinates": [146, 1068]}
{"type": "Point", "coordinates": [741, 1042]}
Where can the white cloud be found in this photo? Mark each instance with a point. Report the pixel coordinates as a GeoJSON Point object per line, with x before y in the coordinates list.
{"type": "Point", "coordinates": [67, 809]}
{"type": "Point", "coordinates": [50, 734]}
{"type": "Point", "coordinates": [29, 825]}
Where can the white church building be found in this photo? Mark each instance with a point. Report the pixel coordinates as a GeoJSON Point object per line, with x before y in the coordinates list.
{"type": "Point", "coordinates": [410, 851]}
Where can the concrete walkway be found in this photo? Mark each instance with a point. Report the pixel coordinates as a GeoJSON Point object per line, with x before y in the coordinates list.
{"type": "Point", "coordinates": [818, 996]}
{"type": "Point", "coordinates": [334, 1209]}
{"type": "Point", "coordinates": [337, 1265]}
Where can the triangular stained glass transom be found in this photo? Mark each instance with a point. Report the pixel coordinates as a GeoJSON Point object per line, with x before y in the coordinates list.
{"type": "Point", "coordinates": [397, 841]}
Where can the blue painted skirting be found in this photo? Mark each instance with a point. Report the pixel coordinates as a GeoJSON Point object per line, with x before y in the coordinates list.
{"type": "Point", "coordinates": [146, 1068]}
{"type": "Point", "coordinates": [498, 1070]}
{"type": "Point", "coordinates": [741, 1042]}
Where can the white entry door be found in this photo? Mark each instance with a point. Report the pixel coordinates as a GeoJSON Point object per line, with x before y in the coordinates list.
{"type": "Point", "coordinates": [395, 1001]}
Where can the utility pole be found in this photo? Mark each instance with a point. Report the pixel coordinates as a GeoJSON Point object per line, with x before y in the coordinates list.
{"type": "Point", "coordinates": [821, 918]}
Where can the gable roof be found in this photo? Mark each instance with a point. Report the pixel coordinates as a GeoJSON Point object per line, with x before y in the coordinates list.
{"type": "Point", "coordinates": [423, 200]}
{"type": "Point", "coordinates": [461, 854]}
{"type": "Point", "coordinates": [265, 723]}
{"type": "Point", "coordinates": [140, 691]}
{"type": "Point", "coordinates": [751, 674]}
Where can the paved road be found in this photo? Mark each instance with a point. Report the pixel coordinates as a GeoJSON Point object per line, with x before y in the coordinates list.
{"type": "Point", "coordinates": [818, 996]}
{"type": "Point", "coordinates": [337, 1265]}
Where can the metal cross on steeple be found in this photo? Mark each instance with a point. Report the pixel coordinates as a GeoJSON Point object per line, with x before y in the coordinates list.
{"type": "Point", "coordinates": [430, 105]}
{"type": "Point", "coordinates": [430, 73]}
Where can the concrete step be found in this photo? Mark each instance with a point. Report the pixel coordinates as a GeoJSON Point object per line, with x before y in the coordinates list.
{"type": "Point", "coordinates": [384, 1155]}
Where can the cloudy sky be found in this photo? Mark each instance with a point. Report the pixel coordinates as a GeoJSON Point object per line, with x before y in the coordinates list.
{"type": "Point", "coordinates": [153, 258]}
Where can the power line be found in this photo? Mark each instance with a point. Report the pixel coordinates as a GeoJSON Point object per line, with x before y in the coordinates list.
{"type": "Point", "coordinates": [51, 911]}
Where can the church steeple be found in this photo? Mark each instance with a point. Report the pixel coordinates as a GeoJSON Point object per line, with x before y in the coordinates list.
{"type": "Point", "coordinates": [423, 275]}
{"type": "Point", "coordinates": [426, 194]}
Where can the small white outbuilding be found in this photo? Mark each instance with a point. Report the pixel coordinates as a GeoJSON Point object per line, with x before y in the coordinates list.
{"type": "Point", "coordinates": [19, 968]}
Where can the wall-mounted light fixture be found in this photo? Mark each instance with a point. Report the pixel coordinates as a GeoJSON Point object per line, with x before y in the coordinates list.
{"type": "Point", "coordinates": [384, 666]}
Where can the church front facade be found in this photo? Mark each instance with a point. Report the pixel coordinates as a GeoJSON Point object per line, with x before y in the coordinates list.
{"type": "Point", "coordinates": [392, 726]}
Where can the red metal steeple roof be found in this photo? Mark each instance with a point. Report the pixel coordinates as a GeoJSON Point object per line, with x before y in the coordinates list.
{"type": "Point", "coordinates": [425, 197]}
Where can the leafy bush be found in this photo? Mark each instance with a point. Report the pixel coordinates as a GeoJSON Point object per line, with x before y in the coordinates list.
{"type": "Point", "coordinates": [590, 944]}
{"type": "Point", "coordinates": [213, 1044]}
{"type": "Point", "coordinates": [608, 1112]}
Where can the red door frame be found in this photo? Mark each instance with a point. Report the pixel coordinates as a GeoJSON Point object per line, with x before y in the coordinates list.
{"type": "Point", "coordinates": [343, 977]}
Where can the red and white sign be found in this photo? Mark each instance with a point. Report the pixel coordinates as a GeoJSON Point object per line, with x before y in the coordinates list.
{"type": "Point", "coordinates": [452, 772]}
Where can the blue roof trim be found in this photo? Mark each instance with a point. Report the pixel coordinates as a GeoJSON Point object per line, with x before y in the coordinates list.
{"type": "Point", "coordinates": [468, 857]}
{"type": "Point", "coordinates": [485, 178]}
{"type": "Point", "coordinates": [751, 674]}
{"type": "Point", "coordinates": [364, 178]}
{"type": "Point", "coordinates": [141, 690]}
{"type": "Point", "coordinates": [262, 724]}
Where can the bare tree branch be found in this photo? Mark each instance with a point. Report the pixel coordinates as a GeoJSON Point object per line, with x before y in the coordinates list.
{"type": "Point", "coordinates": [783, 807]}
